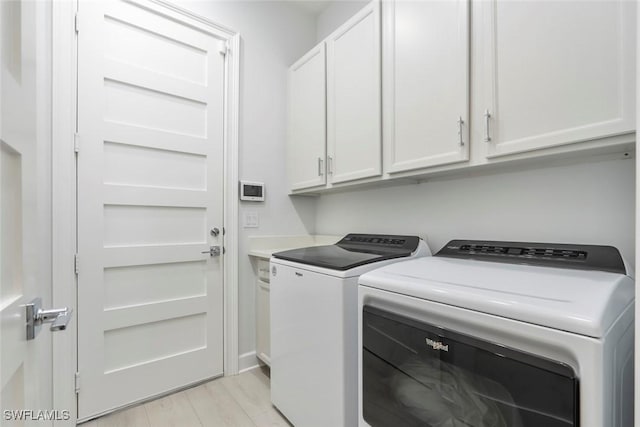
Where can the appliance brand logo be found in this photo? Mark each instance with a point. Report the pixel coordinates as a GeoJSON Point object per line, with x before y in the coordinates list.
{"type": "Point", "coordinates": [437, 345]}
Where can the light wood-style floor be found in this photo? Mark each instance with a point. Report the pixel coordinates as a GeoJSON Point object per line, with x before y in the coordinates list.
{"type": "Point", "coordinates": [243, 400]}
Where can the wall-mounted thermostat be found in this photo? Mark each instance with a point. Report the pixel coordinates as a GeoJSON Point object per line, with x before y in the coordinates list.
{"type": "Point", "coordinates": [252, 191]}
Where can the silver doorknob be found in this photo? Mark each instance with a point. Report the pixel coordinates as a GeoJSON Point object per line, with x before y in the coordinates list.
{"type": "Point", "coordinates": [213, 251]}
{"type": "Point", "coordinates": [215, 231]}
{"type": "Point", "coordinates": [36, 316]}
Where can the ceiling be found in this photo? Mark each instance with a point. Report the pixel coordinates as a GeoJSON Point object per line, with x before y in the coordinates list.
{"type": "Point", "coordinates": [311, 6]}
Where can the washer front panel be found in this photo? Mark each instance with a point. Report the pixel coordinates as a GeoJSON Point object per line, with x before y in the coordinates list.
{"type": "Point", "coordinates": [583, 354]}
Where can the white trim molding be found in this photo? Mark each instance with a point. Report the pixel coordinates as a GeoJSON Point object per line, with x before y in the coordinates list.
{"type": "Point", "coordinates": [63, 199]}
{"type": "Point", "coordinates": [232, 120]}
{"type": "Point", "coordinates": [248, 361]}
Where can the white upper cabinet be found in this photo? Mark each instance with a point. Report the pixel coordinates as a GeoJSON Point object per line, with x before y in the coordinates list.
{"type": "Point", "coordinates": [306, 139]}
{"type": "Point", "coordinates": [353, 98]}
{"type": "Point", "coordinates": [555, 72]}
{"type": "Point", "coordinates": [425, 83]}
{"type": "Point", "coordinates": [415, 87]}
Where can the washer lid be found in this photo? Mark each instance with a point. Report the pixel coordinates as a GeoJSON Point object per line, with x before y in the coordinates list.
{"type": "Point", "coordinates": [353, 250]}
{"type": "Point", "coordinates": [582, 302]}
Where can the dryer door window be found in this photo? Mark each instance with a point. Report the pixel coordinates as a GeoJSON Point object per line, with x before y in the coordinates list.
{"type": "Point", "coordinates": [415, 374]}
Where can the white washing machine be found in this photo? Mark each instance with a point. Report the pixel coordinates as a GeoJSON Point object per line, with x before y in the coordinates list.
{"type": "Point", "coordinates": [314, 325]}
{"type": "Point", "coordinates": [498, 334]}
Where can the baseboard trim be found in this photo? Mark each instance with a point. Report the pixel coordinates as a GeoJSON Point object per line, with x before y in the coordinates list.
{"type": "Point", "coordinates": [247, 361]}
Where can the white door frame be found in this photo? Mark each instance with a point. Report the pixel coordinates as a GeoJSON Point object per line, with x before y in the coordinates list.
{"type": "Point", "coordinates": [64, 237]}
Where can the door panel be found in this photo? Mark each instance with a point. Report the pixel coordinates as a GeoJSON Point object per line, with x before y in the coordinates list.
{"type": "Point", "coordinates": [25, 210]}
{"type": "Point", "coordinates": [263, 317]}
{"type": "Point", "coordinates": [425, 83]}
{"type": "Point", "coordinates": [306, 138]}
{"type": "Point", "coordinates": [554, 76]}
{"type": "Point", "coordinates": [353, 98]}
{"type": "Point", "coordinates": [150, 182]}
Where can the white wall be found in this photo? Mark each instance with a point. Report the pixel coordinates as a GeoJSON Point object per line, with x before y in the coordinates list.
{"type": "Point", "coordinates": [335, 15]}
{"type": "Point", "coordinates": [274, 35]}
{"type": "Point", "coordinates": [591, 203]}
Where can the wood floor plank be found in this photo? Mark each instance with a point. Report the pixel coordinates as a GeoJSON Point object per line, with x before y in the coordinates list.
{"type": "Point", "coordinates": [135, 416]}
{"type": "Point", "coordinates": [254, 397]}
{"type": "Point", "coordinates": [239, 401]}
{"type": "Point", "coordinates": [172, 411]}
{"type": "Point", "coordinates": [214, 406]}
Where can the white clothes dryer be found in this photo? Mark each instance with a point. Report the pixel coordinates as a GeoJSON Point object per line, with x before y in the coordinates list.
{"type": "Point", "coordinates": [498, 334]}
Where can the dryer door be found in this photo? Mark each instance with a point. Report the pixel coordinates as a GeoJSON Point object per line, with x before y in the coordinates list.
{"type": "Point", "coordinates": [415, 374]}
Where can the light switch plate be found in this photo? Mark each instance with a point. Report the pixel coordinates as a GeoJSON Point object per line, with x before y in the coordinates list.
{"type": "Point", "coordinates": [251, 220]}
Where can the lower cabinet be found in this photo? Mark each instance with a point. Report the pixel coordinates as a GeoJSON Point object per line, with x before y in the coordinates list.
{"type": "Point", "coordinates": [263, 323]}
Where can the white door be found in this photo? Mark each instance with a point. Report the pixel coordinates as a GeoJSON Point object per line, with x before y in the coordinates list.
{"type": "Point", "coordinates": [150, 193]}
{"type": "Point", "coordinates": [353, 98]}
{"type": "Point", "coordinates": [555, 72]}
{"type": "Point", "coordinates": [25, 212]}
{"type": "Point", "coordinates": [306, 139]}
{"type": "Point", "coordinates": [425, 83]}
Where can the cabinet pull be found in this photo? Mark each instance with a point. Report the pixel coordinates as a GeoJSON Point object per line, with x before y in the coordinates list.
{"type": "Point", "coordinates": [487, 135]}
{"type": "Point", "coordinates": [460, 123]}
{"type": "Point", "coordinates": [330, 164]}
{"type": "Point", "coordinates": [320, 166]}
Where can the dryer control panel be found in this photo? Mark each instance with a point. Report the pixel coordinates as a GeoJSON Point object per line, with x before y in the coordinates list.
{"type": "Point", "coordinates": [574, 256]}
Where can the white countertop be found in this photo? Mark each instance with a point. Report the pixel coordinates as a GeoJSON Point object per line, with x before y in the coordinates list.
{"type": "Point", "coordinates": [264, 246]}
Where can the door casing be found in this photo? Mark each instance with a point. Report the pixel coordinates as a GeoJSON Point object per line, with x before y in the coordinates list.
{"type": "Point", "coordinates": [64, 52]}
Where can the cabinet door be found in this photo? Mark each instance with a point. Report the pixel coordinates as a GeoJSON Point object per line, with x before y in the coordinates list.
{"type": "Point", "coordinates": [306, 141]}
{"type": "Point", "coordinates": [353, 98]}
{"type": "Point", "coordinates": [556, 72]}
{"type": "Point", "coordinates": [263, 326]}
{"type": "Point", "coordinates": [425, 83]}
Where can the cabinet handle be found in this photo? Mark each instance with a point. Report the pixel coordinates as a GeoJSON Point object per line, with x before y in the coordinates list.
{"type": "Point", "coordinates": [460, 123]}
{"type": "Point", "coordinates": [487, 135]}
{"type": "Point", "coordinates": [320, 161]}
{"type": "Point", "coordinates": [330, 165]}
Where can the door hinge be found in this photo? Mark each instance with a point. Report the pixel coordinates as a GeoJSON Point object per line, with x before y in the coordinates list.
{"type": "Point", "coordinates": [76, 142]}
{"type": "Point", "coordinates": [223, 47]}
{"type": "Point", "coordinates": [76, 264]}
{"type": "Point", "coordinates": [77, 381]}
{"type": "Point", "coordinates": [76, 23]}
